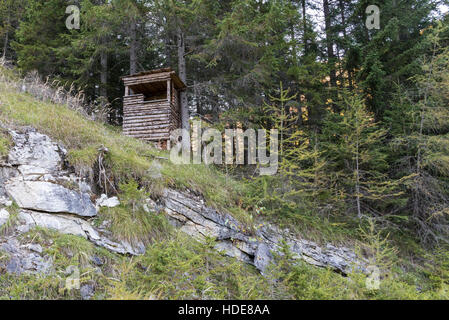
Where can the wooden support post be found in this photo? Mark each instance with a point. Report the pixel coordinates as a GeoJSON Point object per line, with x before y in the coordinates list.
{"type": "Point", "coordinates": [168, 145]}
{"type": "Point", "coordinates": [168, 90]}
{"type": "Point", "coordinates": [126, 91]}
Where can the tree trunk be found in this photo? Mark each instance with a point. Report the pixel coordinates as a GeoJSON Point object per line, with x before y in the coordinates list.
{"type": "Point", "coordinates": [357, 183]}
{"type": "Point", "coordinates": [329, 44]}
{"type": "Point", "coordinates": [343, 23]}
{"type": "Point", "coordinates": [398, 38]}
{"type": "Point", "coordinates": [167, 50]}
{"type": "Point", "coordinates": [5, 45]}
{"type": "Point", "coordinates": [182, 75]}
{"type": "Point", "coordinates": [133, 48]}
{"type": "Point", "coordinates": [293, 38]}
{"type": "Point", "coordinates": [304, 27]}
{"type": "Point", "coordinates": [104, 74]}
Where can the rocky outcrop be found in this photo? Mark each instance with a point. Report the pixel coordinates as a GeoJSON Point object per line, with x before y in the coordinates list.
{"type": "Point", "coordinates": [24, 258]}
{"type": "Point", "coordinates": [35, 150]}
{"type": "Point", "coordinates": [29, 258]}
{"type": "Point", "coordinates": [104, 201]}
{"type": "Point", "coordinates": [75, 226]}
{"type": "Point", "coordinates": [4, 217]}
{"type": "Point", "coordinates": [192, 216]}
{"type": "Point", "coordinates": [49, 196]}
{"type": "Point", "coordinates": [35, 179]}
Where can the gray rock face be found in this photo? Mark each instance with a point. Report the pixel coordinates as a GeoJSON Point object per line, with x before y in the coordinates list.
{"type": "Point", "coordinates": [34, 247]}
{"type": "Point", "coordinates": [29, 258]}
{"type": "Point", "coordinates": [4, 201]}
{"type": "Point", "coordinates": [4, 216]}
{"type": "Point", "coordinates": [35, 150]}
{"type": "Point", "coordinates": [193, 217]}
{"type": "Point", "coordinates": [6, 172]}
{"type": "Point", "coordinates": [50, 197]}
{"type": "Point", "coordinates": [262, 257]}
{"type": "Point", "coordinates": [62, 224]}
{"type": "Point", "coordinates": [23, 260]}
{"type": "Point", "coordinates": [75, 226]}
{"type": "Point", "coordinates": [104, 201]}
{"type": "Point", "coordinates": [87, 291]}
{"type": "Point", "coordinates": [34, 177]}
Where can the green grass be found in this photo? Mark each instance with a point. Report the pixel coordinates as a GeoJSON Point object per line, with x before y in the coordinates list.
{"type": "Point", "coordinates": [135, 226]}
{"type": "Point", "coordinates": [5, 144]}
{"type": "Point", "coordinates": [181, 268]}
{"type": "Point", "coordinates": [12, 221]}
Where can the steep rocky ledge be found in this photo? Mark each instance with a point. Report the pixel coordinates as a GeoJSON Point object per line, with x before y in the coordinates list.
{"type": "Point", "coordinates": [51, 196]}
{"type": "Point", "coordinates": [255, 247]}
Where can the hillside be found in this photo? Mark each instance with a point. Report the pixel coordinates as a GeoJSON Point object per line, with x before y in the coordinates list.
{"type": "Point", "coordinates": [176, 231]}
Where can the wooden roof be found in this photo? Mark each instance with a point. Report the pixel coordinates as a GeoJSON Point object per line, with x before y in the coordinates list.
{"type": "Point", "coordinates": [148, 78]}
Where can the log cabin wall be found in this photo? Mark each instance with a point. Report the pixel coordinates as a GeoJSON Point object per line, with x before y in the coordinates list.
{"type": "Point", "coordinates": [175, 110]}
{"type": "Point", "coordinates": [151, 107]}
{"type": "Point", "coordinates": [146, 120]}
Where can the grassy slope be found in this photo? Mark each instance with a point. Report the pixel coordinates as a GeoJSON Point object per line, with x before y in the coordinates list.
{"type": "Point", "coordinates": [174, 266]}
{"type": "Point", "coordinates": [127, 157]}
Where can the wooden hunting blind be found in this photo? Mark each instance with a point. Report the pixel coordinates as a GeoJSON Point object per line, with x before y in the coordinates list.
{"type": "Point", "coordinates": [151, 105]}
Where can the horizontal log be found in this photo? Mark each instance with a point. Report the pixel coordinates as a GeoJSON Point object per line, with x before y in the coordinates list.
{"type": "Point", "coordinates": [147, 133]}
{"type": "Point", "coordinates": [142, 116]}
{"type": "Point", "coordinates": [147, 123]}
{"type": "Point", "coordinates": [144, 126]}
{"type": "Point", "coordinates": [148, 105]}
{"type": "Point", "coordinates": [164, 136]}
{"type": "Point", "coordinates": [150, 122]}
{"type": "Point", "coordinates": [128, 81]}
{"type": "Point", "coordinates": [149, 117]}
{"type": "Point", "coordinates": [153, 119]}
{"type": "Point", "coordinates": [145, 113]}
{"type": "Point", "coordinates": [133, 96]}
{"type": "Point", "coordinates": [147, 109]}
{"type": "Point", "coordinates": [133, 100]}
{"type": "Point", "coordinates": [143, 134]}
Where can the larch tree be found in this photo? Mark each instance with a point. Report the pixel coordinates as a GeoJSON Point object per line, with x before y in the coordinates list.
{"type": "Point", "coordinates": [357, 162]}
